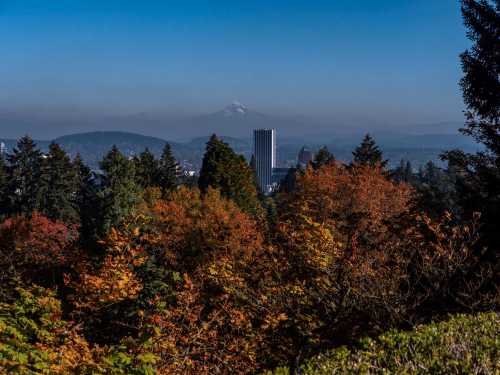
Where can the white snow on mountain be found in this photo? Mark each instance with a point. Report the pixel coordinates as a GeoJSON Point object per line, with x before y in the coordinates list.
{"type": "Point", "coordinates": [236, 108]}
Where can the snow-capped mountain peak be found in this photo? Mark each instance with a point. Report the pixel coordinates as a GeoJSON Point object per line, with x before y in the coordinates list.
{"type": "Point", "coordinates": [235, 108]}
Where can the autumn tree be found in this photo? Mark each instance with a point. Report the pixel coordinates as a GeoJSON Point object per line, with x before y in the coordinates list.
{"type": "Point", "coordinates": [37, 248]}
{"type": "Point", "coordinates": [25, 172]}
{"type": "Point", "coordinates": [368, 153]}
{"type": "Point", "coordinates": [352, 255]}
{"type": "Point", "coordinates": [332, 231]}
{"type": "Point", "coordinates": [223, 169]}
{"type": "Point", "coordinates": [180, 271]}
{"type": "Point", "coordinates": [354, 200]}
{"type": "Point", "coordinates": [59, 186]}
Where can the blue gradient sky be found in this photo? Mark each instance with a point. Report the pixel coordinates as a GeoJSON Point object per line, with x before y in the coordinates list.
{"type": "Point", "coordinates": [387, 60]}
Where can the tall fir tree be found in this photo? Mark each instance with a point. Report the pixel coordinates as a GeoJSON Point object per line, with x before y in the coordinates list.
{"type": "Point", "coordinates": [223, 169]}
{"type": "Point", "coordinates": [323, 157]}
{"type": "Point", "coordinates": [3, 187]}
{"type": "Point", "coordinates": [478, 175]}
{"type": "Point", "coordinates": [168, 170]}
{"type": "Point", "coordinates": [119, 192]}
{"type": "Point", "coordinates": [147, 169]}
{"type": "Point", "coordinates": [87, 202]}
{"type": "Point", "coordinates": [59, 186]}
{"type": "Point", "coordinates": [25, 184]}
{"type": "Point", "coordinates": [368, 153]}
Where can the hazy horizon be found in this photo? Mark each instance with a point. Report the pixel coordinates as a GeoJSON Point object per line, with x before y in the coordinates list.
{"type": "Point", "coordinates": [67, 66]}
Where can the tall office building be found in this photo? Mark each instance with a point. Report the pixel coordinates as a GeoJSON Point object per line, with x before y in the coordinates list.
{"type": "Point", "coordinates": [3, 149]}
{"type": "Point", "coordinates": [264, 151]}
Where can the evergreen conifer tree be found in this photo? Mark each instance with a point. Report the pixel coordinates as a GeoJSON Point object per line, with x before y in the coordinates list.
{"type": "Point", "coordinates": [119, 192]}
{"type": "Point", "coordinates": [168, 169]}
{"type": "Point", "coordinates": [25, 183]}
{"type": "Point", "coordinates": [323, 157]}
{"type": "Point", "coordinates": [59, 187]}
{"type": "Point", "coordinates": [223, 169]}
{"type": "Point", "coordinates": [478, 175]}
{"type": "Point", "coordinates": [147, 169]}
{"type": "Point", "coordinates": [368, 153]}
{"type": "Point", "coordinates": [3, 188]}
{"type": "Point", "coordinates": [87, 202]}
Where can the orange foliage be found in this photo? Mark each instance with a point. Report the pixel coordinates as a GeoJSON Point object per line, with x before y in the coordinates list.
{"type": "Point", "coordinates": [209, 241]}
{"type": "Point", "coordinates": [205, 227]}
{"type": "Point", "coordinates": [356, 201]}
{"type": "Point", "coordinates": [384, 265]}
{"type": "Point", "coordinates": [115, 280]}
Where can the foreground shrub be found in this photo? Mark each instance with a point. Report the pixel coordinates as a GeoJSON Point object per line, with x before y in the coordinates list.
{"type": "Point", "coordinates": [462, 345]}
{"type": "Point", "coordinates": [35, 340]}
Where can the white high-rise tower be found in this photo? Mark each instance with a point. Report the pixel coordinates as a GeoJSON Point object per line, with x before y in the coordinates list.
{"type": "Point", "coordinates": [264, 151]}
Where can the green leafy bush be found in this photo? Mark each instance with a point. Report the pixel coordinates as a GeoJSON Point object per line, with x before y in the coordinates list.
{"type": "Point", "coordinates": [462, 345]}
{"type": "Point", "coordinates": [35, 340]}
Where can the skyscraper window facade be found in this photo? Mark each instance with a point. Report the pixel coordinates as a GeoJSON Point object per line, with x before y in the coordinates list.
{"type": "Point", "coordinates": [264, 150]}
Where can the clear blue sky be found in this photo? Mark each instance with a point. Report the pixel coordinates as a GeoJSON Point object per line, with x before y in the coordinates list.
{"type": "Point", "coordinates": [390, 60]}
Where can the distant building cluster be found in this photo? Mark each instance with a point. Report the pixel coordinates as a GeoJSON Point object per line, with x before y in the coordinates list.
{"type": "Point", "coordinates": [269, 176]}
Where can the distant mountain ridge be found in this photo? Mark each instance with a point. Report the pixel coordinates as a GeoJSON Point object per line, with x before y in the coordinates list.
{"type": "Point", "coordinates": [236, 123]}
{"type": "Point", "coordinates": [92, 146]}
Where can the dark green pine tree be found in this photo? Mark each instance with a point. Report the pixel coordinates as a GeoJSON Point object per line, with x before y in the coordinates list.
{"type": "Point", "coordinates": [3, 188]}
{"type": "Point", "coordinates": [25, 183]}
{"type": "Point", "coordinates": [59, 186]}
{"type": "Point", "coordinates": [119, 192]}
{"type": "Point", "coordinates": [168, 170]}
{"type": "Point", "coordinates": [323, 157]}
{"type": "Point", "coordinates": [147, 169]}
{"type": "Point", "coordinates": [478, 175]}
{"type": "Point", "coordinates": [87, 202]}
{"type": "Point", "coordinates": [223, 169]}
{"type": "Point", "coordinates": [368, 153]}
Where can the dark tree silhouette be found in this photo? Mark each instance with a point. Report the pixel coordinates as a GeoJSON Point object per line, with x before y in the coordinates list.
{"type": "Point", "coordinates": [147, 169]}
{"type": "Point", "coordinates": [3, 187]}
{"type": "Point", "coordinates": [223, 169]}
{"type": "Point", "coordinates": [478, 175]}
{"type": "Point", "coordinates": [59, 186]}
{"type": "Point", "coordinates": [368, 153]}
{"type": "Point", "coordinates": [25, 177]}
{"type": "Point", "coordinates": [119, 191]}
{"type": "Point", "coordinates": [168, 170]}
{"type": "Point", "coordinates": [322, 158]}
{"type": "Point", "coordinates": [87, 202]}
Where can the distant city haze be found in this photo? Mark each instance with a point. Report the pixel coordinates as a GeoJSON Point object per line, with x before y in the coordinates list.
{"type": "Point", "coordinates": [171, 68]}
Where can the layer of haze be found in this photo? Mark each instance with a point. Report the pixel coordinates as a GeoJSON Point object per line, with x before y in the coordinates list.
{"type": "Point", "coordinates": [385, 61]}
